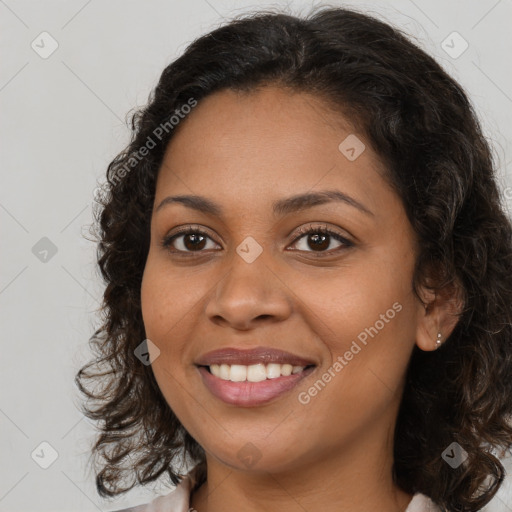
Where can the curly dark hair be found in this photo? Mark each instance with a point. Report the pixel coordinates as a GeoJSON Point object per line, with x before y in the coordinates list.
{"type": "Point", "coordinates": [421, 124]}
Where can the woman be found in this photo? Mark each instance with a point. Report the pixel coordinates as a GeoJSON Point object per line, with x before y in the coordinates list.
{"type": "Point", "coordinates": [308, 269]}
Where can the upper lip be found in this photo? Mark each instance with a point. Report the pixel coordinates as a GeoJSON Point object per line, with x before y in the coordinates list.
{"type": "Point", "coordinates": [263, 355]}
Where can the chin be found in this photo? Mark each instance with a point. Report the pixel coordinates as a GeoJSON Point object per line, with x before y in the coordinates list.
{"type": "Point", "coordinates": [258, 455]}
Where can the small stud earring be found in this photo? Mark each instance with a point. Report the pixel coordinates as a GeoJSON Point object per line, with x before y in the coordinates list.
{"type": "Point", "coordinates": [438, 341]}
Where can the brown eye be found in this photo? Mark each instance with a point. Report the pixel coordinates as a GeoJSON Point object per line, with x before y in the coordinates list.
{"type": "Point", "coordinates": [189, 240]}
{"type": "Point", "coordinates": [320, 240]}
{"type": "Point", "coordinates": [194, 242]}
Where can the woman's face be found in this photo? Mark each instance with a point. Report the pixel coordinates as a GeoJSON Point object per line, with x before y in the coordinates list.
{"type": "Point", "coordinates": [343, 308]}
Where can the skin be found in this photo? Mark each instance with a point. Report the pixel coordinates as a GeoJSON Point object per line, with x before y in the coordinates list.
{"type": "Point", "coordinates": [244, 151]}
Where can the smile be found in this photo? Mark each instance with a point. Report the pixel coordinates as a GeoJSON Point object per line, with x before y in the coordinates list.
{"type": "Point", "coordinates": [246, 393]}
{"type": "Point", "coordinates": [254, 372]}
{"type": "Point", "coordinates": [251, 377]}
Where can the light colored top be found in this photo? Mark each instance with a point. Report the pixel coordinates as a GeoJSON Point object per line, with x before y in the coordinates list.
{"type": "Point", "coordinates": [179, 501]}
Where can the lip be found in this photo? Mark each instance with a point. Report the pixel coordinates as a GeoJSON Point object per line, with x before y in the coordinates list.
{"type": "Point", "coordinates": [263, 355]}
{"type": "Point", "coordinates": [251, 394]}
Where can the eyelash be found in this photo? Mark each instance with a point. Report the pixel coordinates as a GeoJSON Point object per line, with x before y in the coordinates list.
{"type": "Point", "coordinates": [189, 230]}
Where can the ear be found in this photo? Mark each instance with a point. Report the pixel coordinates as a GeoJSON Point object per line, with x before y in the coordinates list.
{"type": "Point", "coordinates": [438, 314]}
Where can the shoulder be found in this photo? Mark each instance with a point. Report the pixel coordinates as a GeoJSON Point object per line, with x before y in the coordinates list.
{"type": "Point", "coordinates": [176, 501]}
{"type": "Point", "coordinates": [419, 503]}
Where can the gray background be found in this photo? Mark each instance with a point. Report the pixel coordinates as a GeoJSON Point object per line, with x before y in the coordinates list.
{"type": "Point", "coordinates": [63, 120]}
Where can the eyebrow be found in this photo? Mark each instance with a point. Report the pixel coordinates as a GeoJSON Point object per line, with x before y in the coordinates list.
{"type": "Point", "coordinates": [280, 208]}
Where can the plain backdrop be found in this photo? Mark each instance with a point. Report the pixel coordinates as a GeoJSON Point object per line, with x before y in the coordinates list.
{"type": "Point", "coordinates": [62, 121]}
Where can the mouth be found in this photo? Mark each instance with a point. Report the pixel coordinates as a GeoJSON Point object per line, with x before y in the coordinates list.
{"type": "Point", "coordinates": [254, 372]}
{"type": "Point", "coordinates": [249, 378]}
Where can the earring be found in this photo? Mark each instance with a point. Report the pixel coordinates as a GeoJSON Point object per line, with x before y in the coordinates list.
{"type": "Point", "coordinates": [438, 341]}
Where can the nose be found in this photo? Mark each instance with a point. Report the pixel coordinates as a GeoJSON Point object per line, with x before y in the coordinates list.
{"type": "Point", "coordinates": [249, 295]}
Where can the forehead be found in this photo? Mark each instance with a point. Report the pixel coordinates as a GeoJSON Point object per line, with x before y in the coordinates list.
{"type": "Point", "coordinates": [271, 117]}
{"type": "Point", "coordinates": [268, 142]}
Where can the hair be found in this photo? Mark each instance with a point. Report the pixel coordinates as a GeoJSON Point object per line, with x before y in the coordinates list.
{"type": "Point", "coordinates": [422, 126]}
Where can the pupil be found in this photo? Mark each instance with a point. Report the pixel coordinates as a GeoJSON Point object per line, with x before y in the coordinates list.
{"type": "Point", "coordinates": [196, 244]}
{"type": "Point", "coordinates": [322, 239]}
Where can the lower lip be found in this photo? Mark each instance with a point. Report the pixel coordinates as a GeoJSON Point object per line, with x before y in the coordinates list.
{"type": "Point", "coordinates": [251, 394]}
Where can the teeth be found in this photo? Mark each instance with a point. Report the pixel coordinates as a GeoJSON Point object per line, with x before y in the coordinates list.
{"type": "Point", "coordinates": [238, 373]}
{"type": "Point", "coordinates": [223, 372]}
{"type": "Point", "coordinates": [273, 371]}
{"type": "Point", "coordinates": [254, 372]}
{"type": "Point", "coordinates": [286, 369]}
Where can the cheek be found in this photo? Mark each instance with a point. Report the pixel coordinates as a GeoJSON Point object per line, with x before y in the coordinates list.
{"type": "Point", "coordinates": [366, 321]}
{"type": "Point", "coordinates": [346, 302]}
{"type": "Point", "coordinates": [365, 314]}
{"type": "Point", "coordinates": [162, 307]}
{"type": "Point", "coordinates": [171, 303]}
{"type": "Point", "coordinates": [167, 298]}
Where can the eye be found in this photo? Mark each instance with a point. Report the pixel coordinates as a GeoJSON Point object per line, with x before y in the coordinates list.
{"type": "Point", "coordinates": [187, 240]}
{"type": "Point", "coordinates": [319, 239]}
{"type": "Point", "coordinates": [190, 239]}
